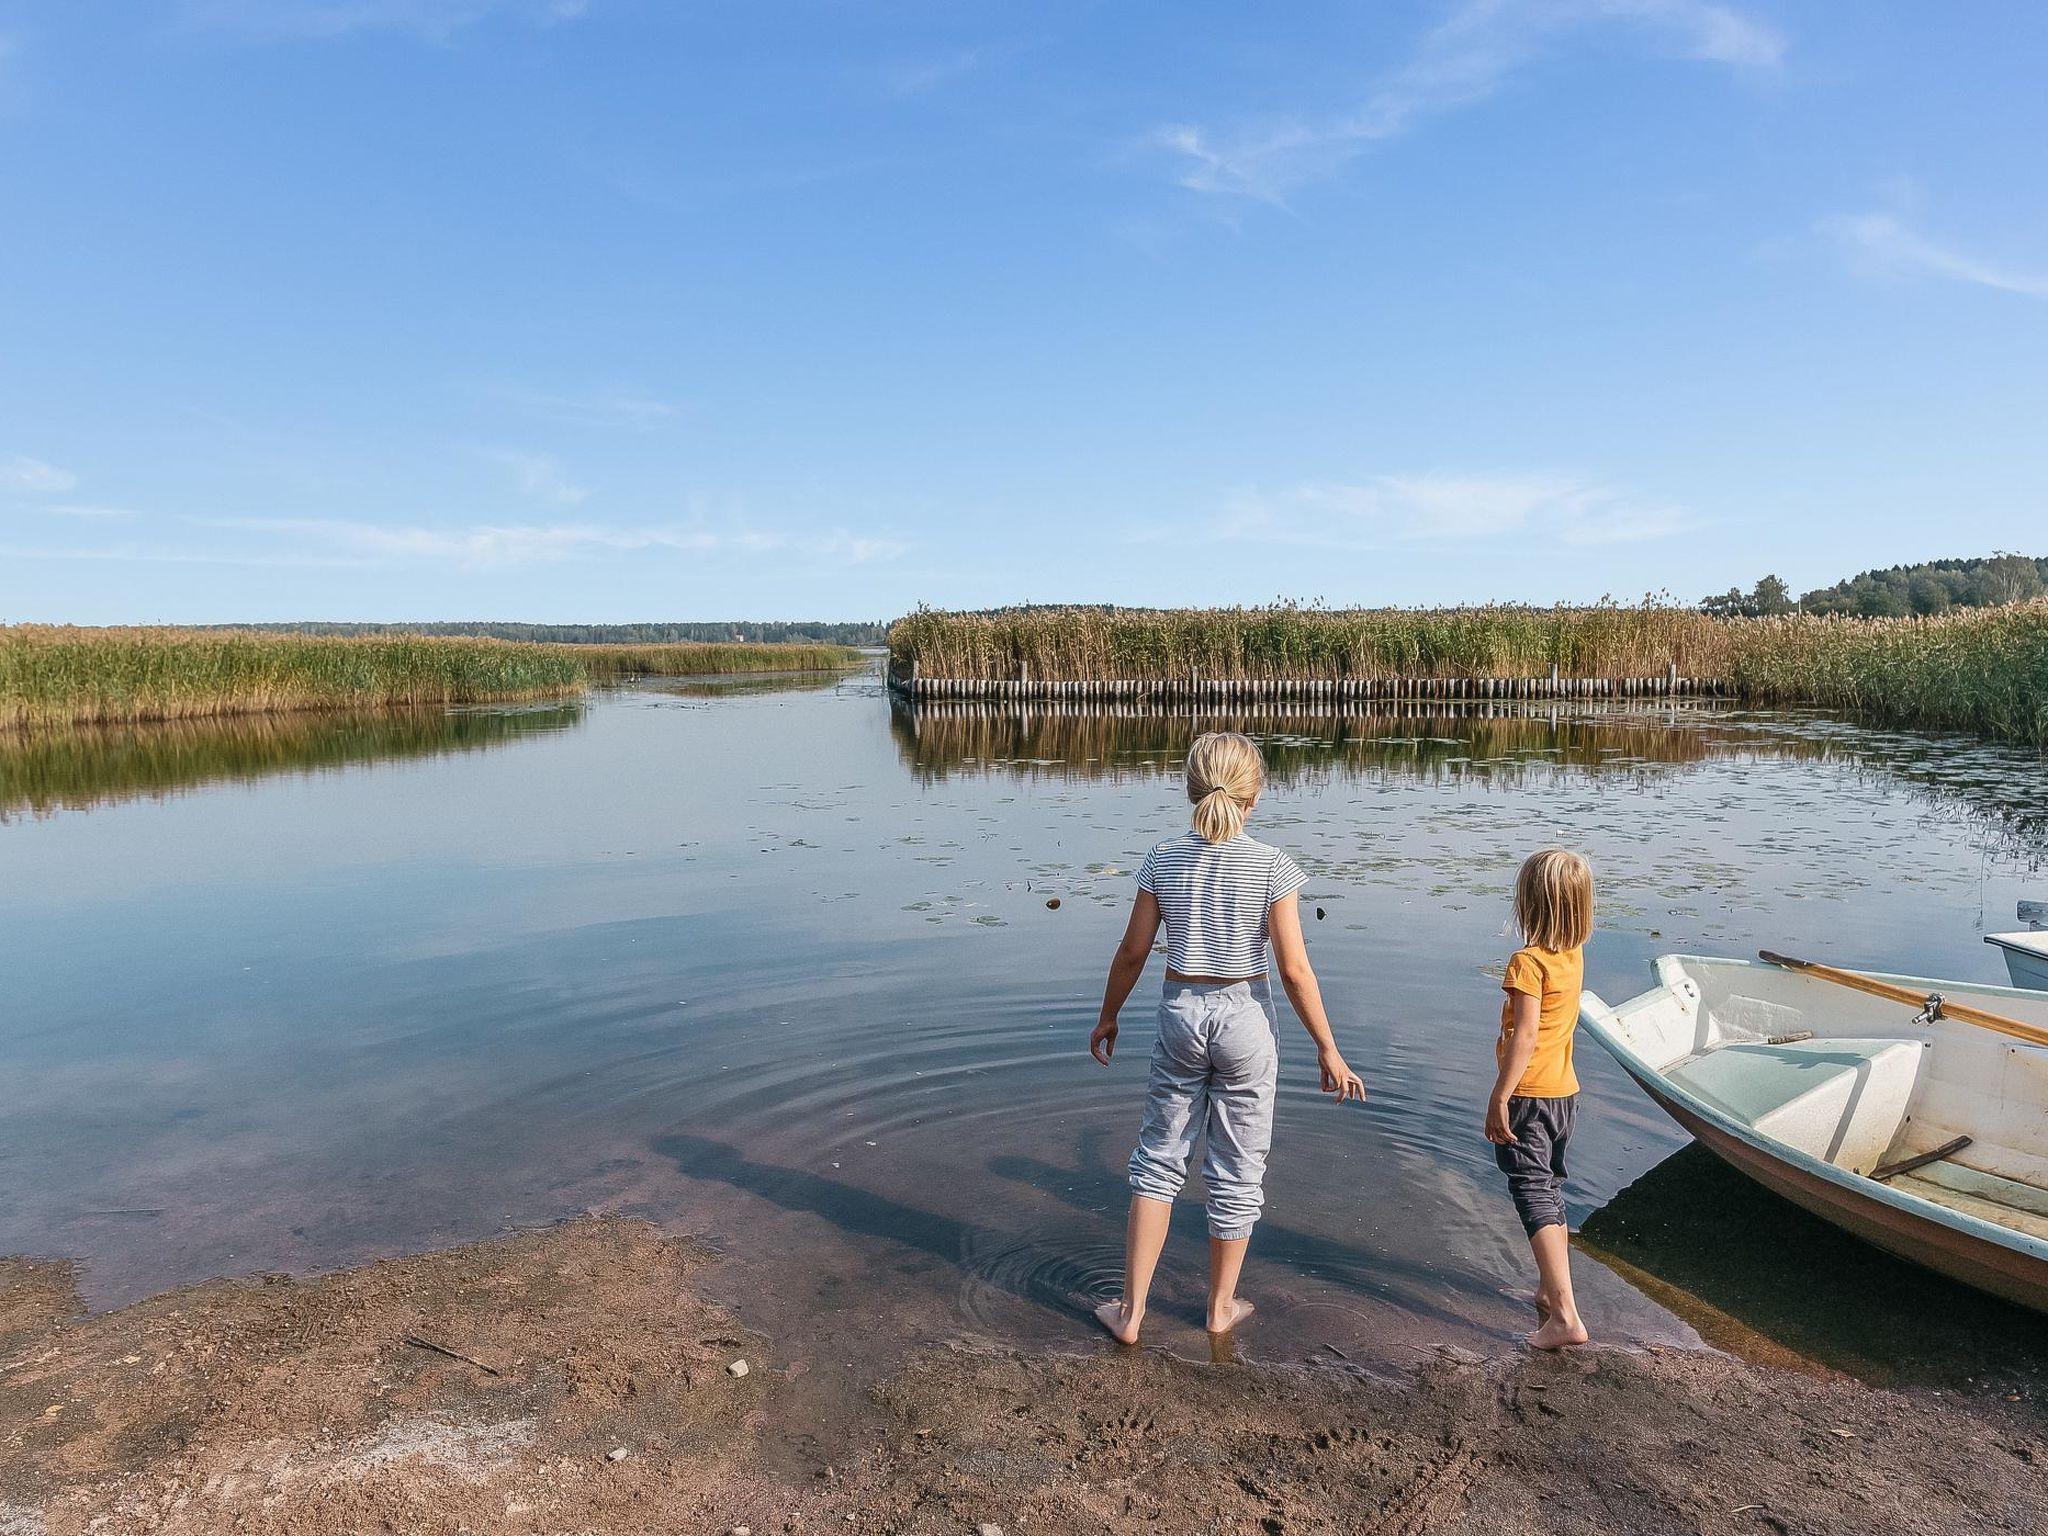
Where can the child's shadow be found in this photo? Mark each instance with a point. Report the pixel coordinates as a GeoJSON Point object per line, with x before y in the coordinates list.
{"type": "Point", "coordinates": [1041, 1273]}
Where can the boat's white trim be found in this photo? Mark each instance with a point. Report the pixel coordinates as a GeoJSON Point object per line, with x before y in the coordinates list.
{"type": "Point", "coordinates": [1669, 969]}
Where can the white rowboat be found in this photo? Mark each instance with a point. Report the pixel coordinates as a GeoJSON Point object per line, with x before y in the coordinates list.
{"type": "Point", "coordinates": [2026, 957]}
{"type": "Point", "coordinates": [1928, 1138]}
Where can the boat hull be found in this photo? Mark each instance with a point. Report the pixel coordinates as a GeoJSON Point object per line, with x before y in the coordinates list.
{"type": "Point", "coordinates": [1901, 1231]}
{"type": "Point", "coordinates": [2027, 966]}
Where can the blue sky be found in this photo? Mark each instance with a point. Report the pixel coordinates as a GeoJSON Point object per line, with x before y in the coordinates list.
{"type": "Point", "coordinates": [636, 309]}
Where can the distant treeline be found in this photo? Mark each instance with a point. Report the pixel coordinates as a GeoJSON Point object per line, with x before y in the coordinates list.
{"type": "Point", "coordinates": [1898, 591]}
{"type": "Point", "coordinates": [738, 631]}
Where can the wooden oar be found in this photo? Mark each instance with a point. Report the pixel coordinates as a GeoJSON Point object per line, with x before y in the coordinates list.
{"type": "Point", "coordinates": [1942, 1008]}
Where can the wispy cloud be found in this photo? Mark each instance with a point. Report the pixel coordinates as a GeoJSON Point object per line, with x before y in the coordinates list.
{"type": "Point", "coordinates": [33, 477]}
{"type": "Point", "coordinates": [914, 77]}
{"type": "Point", "coordinates": [618, 408]}
{"type": "Point", "coordinates": [433, 20]}
{"type": "Point", "coordinates": [143, 554]}
{"type": "Point", "coordinates": [1884, 241]}
{"type": "Point", "coordinates": [1465, 59]}
{"type": "Point", "coordinates": [1388, 510]}
{"type": "Point", "coordinates": [76, 509]}
{"type": "Point", "coordinates": [493, 544]}
{"type": "Point", "coordinates": [539, 476]}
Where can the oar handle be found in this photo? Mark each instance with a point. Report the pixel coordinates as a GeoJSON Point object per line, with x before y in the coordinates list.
{"type": "Point", "coordinates": [1932, 1004]}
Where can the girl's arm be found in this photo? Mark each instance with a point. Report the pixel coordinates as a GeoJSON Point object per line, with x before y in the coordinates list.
{"type": "Point", "coordinates": [1290, 955]}
{"type": "Point", "coordinates": [1527, 1019]}
{"type": "Point", "coordinates": [1124, 971]}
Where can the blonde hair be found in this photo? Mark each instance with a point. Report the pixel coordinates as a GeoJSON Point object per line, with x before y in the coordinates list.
{"type": "Point", "coordinates": [1554, 899]}
{"type": "Point", "coordinates": [1225, 775]}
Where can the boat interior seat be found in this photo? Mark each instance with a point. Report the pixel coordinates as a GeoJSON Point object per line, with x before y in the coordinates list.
{"type": "Point", "coordinates": [1842, 1101]}
{"type": "Point", "coordinates": [1989, 1196]}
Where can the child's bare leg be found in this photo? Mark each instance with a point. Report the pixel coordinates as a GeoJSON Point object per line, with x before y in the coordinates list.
{"type": "Point", "coordinates": [1144, 1237]}
{"type": "Point", "coordinates": [1561, 1325]}
{"type": "Point", "coordinates": [1226, 1262]}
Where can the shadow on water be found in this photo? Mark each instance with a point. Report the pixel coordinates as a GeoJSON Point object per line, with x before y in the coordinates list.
{"type": "Point", "coordinates": [1759, 1277]}
{"type": "Point", "coordinates": [1412, 1283]}
{"type": "Point", "coordinates": [1058, 1280]}
{"type": "Point", "coordinates": [1069, 1275]}
{"type": "Point", "coordinates": [43, 772]}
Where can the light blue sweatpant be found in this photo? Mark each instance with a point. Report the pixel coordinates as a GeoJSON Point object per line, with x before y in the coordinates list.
{"type": "Point", "coordinates": [1214, 1070]}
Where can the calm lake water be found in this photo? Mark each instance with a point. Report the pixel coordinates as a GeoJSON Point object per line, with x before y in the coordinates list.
{"type": "Point", "coordinates": [773, 962]}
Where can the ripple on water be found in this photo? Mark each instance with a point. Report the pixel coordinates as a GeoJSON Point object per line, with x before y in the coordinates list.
{"type": "Point", "coordinates": [1051, 1270]}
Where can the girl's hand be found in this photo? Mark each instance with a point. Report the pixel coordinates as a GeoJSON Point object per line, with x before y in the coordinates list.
{"type": "Point", "coordinates": [1340, 1079]}
{"type": "Point", "coordinates": [1102, 1044]}
{"type": "Point", "coordinates": [1497, 1129]}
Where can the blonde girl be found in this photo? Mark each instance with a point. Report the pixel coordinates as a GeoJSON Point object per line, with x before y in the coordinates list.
{"type": "Point", "coordinates": [1535, 1098]}
{"type": "Point", "coordinates": [1222, 897]}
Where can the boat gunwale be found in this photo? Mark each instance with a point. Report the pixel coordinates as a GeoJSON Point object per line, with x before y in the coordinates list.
{"type": "Point", "coordinates": [1855, 1185]}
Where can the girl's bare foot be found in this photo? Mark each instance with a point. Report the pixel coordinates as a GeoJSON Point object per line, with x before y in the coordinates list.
{"type": "Point", "coordinates": [1236, 1312]}
{"type": "Point", "coordinates": [1558, 1333]}
{"type": "Point", "coordinates": [1118, 1321]}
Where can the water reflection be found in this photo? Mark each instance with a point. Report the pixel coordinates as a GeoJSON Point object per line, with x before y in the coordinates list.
{"type": "Point", "coordinates": [2002, 792]}
{"type": "Point", "coordinates": [42, 772]}
{"type": "Point", "coordinates": [739, 685]}
{"type": "Point", "coordinates": [767, 960]}
{"type": "Point", "coordinates": [1757, 1276]}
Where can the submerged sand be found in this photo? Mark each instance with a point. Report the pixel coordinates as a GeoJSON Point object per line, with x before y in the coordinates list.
{"type": "Point", "coordinates": [324, 1406]}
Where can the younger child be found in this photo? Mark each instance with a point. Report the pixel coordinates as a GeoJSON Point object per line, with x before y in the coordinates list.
{"type": "Point", "coordinates": [1535, 1094]}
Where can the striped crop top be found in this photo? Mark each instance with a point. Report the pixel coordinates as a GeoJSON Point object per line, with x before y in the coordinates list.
{"type": "Point", "coordinates": [1214, 897]}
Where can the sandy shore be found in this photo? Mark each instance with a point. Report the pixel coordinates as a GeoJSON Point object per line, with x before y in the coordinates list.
{"type": "Point", "coordinates": [600, 1393]}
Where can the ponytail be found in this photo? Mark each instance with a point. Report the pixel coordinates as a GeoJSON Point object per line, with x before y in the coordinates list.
{"type": "Point", "coordinates": [1225, 775]}
{"type": "Point", "coordinates": [1218, 817]}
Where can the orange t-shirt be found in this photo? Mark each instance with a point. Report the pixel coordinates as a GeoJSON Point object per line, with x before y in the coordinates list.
{"type": "Point", "coordinates": [1553, 978]}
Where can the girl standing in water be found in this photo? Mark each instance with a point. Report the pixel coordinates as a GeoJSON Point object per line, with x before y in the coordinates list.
{"type": "Point", "coordinates": [1222, 897]}
{"type": "Point", "coordinates": [1535, 1096]}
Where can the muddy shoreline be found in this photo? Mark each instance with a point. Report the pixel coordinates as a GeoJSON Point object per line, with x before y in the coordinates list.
{"type": "Point", "coordinates": [576, 1379]}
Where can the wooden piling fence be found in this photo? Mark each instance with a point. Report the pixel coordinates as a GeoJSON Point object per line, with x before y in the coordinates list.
{"type": "Point", "coordinates": [1194, 688]}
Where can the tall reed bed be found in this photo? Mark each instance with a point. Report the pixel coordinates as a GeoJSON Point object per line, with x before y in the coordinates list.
{"type": "Point", "coordinates": [1606, 640]}
{"type": "Point", "coordinates": [61, 675]}
{"type": "Point", "coordinates": [1984, 670]}
{"type": "Point", "coordinates": [706, 658]}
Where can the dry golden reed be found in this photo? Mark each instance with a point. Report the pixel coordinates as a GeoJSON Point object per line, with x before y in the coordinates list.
{"type": "Point", "coordinates": [63, 675]}
{"type": "Point", "coordinates": [1983, 670]}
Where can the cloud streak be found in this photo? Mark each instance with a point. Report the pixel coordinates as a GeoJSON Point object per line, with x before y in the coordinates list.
{"type": "Point", "coordinates": [1468, 57]}
{"type": "Point", "coordinates": [1384, 511]}
{"type": "Point", "coordinates": [642, 413]}
{"type": "Point", "coordinates": [33, 477]}
{"type": "Point", "coordinates": [431, 20]}
{"type": "Point", "coordinates": [540, 477]}
{"type": "Point", "coordinates": [1885, 242]}
{"type": "Point", "coordinates": [501, 544]}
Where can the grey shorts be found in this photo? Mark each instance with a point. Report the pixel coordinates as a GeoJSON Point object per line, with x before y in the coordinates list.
{"type": "Point", "coordinates": [1215, 1068]}
{"type": "Point", "coordinates": [1535, 1163]}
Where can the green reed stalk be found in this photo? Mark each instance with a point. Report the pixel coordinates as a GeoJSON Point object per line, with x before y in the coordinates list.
{"type": "Point", "coordinates": [1982, 670]}
{"type": "Point", "coordinates": [62, 675]}
{"type": "Point", "coordinates": [708, 658]}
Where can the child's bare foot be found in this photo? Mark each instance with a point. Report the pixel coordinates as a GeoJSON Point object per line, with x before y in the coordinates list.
{"type": "Point", "coordinates": [1230, 1316]}
{"type": "Point", "coordinates": [1558, 1333]}
{"type": "Point", "coordinates": [1121, 1325]}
